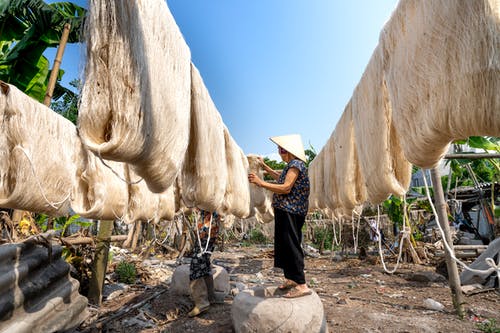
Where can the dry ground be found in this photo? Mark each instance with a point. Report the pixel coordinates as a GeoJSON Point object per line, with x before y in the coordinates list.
{"type": "Point", "coordinates": [358, 296]}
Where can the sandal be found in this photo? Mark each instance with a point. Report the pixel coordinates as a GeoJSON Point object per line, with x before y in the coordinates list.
{"type": "Point", "coordinates": [287, 285]}
{"type": "Point", "coordinates": [294, 293]}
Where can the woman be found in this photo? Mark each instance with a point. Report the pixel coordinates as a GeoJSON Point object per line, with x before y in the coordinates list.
{"type": "Point", "coordinates": [200, 270]}
{"type": "Point", "coordinates": [290, 202]}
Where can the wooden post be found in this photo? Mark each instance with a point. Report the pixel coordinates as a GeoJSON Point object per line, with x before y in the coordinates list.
{"type": "Point", "coordinates": [100, 264]}
{"type": "Point", "coordinates": [57, 64]}
{"type": "Point", "coordinates": [137, 233]}
{"type": "Point", "coordinates": [453, 277]}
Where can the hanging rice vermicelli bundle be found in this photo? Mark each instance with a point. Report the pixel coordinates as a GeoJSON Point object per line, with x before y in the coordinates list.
{"type": "Point", "coordinates": [144, 205]}
{"type": "Point", "coordinates": [260, 198]}
{"type": "Point", "coordinates": [179, 203]}
{"type": "Point", "coordinates": [315, 172]}
{"type": "Point", "coordinates": [444, 74]}
{"type": "Point", "coordinates": [204, 173]}
{"type": "Point", "coordinates": [136, 95]}
{"type": "Point", "coordinates": [378, 149]}
{"type": "Point", "coordinates": [37, 149]}
{"type": "Point", "coordinates": [330, 190]}
{"type": "Point", "coordinates": [313, 200]}
{"type": "Point", "coordinates": [265, 214]}
{"type": "Point", "coordinates": [350, 185]}
{"type": "Point", "coordinates": [237, 196]}
{"type": "Point", "coordinates": [167, 204]}
{"type": "Point", "coordinates": [228, 221]}
{"type": "Point", "coordinates": [98, 192]}
{"type": "Point", "coordinates": [257, 194]}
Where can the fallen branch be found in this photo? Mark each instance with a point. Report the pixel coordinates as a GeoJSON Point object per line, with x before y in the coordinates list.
{"type": "Point", "coordinates": [100, 323]}
{"type": "Point", "coordinates": [90, 240]}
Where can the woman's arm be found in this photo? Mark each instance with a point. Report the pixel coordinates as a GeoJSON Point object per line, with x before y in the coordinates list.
{"type": "Point", "coordinates": [285, 188]}
{"type": "Point", "coordinates": [274, 174]}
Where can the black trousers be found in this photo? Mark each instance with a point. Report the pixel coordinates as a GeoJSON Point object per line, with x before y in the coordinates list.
{"type": "Point", "coordinates": [288, 253]}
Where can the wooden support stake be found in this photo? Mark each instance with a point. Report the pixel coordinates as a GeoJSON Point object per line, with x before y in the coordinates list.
{"type": "Point", "coordinates": [453, 277]}
{"type": "Point", "coordinates": [100, 264]}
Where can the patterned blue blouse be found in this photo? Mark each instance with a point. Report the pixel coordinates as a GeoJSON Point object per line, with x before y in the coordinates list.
{"type": "Point", "coordinates": [297, 201]}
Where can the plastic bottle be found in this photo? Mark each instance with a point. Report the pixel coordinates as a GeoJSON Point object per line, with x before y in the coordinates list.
{"type": "Point", "coordinates": [431, 304]}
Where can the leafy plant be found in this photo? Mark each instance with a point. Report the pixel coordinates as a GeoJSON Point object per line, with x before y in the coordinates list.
{"type": "Point", "coordinates": [126, 272]}
{"type": "Point", "coordinates": [488, 326]}
{"type": "Point", "coordinates": [72, 220]}
{"type": "Point", "coordinates": [61, 223]}
{"type": "Point", "coordinates": [323, 236]}
{"type": "Point", "coordinates": [27, 29]}
{"type": "Point", "coordinates": [487, 170]}
{"type": "Point", "coordinates": [275, 165]}
{"type": "Point", "coordinates": [67, 104]}
{"type": "Point", "coordinates": [394, 208]}
{"type": "Point", "coordinates": [310, 154]}
{"type": "Point", "coordinates": [257, 236]}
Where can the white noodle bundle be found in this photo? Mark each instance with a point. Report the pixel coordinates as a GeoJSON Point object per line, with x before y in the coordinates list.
{"type": "Point", "coordinates": [204, 173]}
{"type": "Point", "coordinates": [98, 192]}
{"type": "Point", "coordinates": [228, 221]}
{"type": "Point", "coordinates": [37, 149]}
{"type": "Point", "coordinates": [350, 183]}
{"type": "Point", "coordinates": [167, 204]}
{"type": "Point", "coordinates": [315, 178]}
{"type": "Point", "coordinates": [257, 194]}
{"type": "Point", "coordinates": [265, 214]}
{"type": "Point", "coordinates": [136, 95]}
{"type": "Point", "coordinates": [313, 201]}
{"type": "Point", "coordinates": [237, 196]}
{"type": "Point", "coordinates": [260, 198]}
{"type": "Point", "coordinates": [444, 74]}
{"type": "Point", "coordinates": [144, 205]}
{"type": "Point", "coordinates": [381, 159]}
{"type": "Point", "coordinates": [330, 190]}
{"type": "Point", "coordinates": [323, 164]}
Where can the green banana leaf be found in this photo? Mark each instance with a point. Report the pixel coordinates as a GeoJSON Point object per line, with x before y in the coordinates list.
{"type": "Point", "coordinates": [486, 143]}
{"type": "Point", "coordinates": [27, 29]}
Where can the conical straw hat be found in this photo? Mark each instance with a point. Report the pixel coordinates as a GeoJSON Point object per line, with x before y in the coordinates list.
{"type": "Point", "coordinates": [292, 143]}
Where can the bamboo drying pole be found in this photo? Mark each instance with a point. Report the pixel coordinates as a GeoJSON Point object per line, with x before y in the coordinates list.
{"type": "Point", "coordinates": [471, 156]}
{"type": "Point", "coordinates": [57, 63]}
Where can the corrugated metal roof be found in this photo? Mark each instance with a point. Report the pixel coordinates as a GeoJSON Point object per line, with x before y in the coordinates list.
{"type": "Point", "coordinates": [37, 294]}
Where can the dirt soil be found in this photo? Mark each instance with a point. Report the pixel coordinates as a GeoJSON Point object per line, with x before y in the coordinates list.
{"type": "Point", "coordinates": [357, 295]}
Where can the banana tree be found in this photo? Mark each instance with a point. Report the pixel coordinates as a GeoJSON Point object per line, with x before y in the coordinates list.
{"type": "Point", "coordinates": [27, 29]}
{"type": "Point", "coordinates": [487, 170]}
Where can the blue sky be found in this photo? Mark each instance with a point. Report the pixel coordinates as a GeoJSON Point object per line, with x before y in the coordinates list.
{"type": "Point", "coordinates": [275, 67]}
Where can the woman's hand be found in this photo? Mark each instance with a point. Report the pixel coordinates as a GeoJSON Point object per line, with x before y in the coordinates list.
{"type": "Point", "coordinates": [254, 179]}
{"type": "Point", "coordinates": [261, 162]}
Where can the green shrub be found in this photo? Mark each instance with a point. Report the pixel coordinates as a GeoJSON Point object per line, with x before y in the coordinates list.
{"type": "Point", "coordinates": [126, 272]}
{"type": "Point", "coordinates": [257, 237]}
{"type": "Point", "coordinates": [319, 234]}
{"type": "Point", "coordinates": [488, 326]}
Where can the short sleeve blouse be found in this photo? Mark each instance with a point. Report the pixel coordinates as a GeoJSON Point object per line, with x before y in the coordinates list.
{"type": "Point", "coordinates": [297, 201]}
